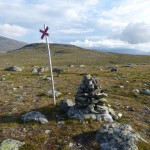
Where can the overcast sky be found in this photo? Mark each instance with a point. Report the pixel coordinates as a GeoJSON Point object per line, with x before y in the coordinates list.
{"type": "Point", "coordinates": [90, 23]}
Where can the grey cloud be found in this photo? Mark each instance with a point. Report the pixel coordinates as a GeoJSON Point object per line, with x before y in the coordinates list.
{"type": "Point", "coordinates": [135, 33]}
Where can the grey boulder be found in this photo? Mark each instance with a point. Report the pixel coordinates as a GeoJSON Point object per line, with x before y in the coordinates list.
{"type": "Point", "coordinates": [34, 116]}
{"type": "Point", "coordinates": [116, 136]}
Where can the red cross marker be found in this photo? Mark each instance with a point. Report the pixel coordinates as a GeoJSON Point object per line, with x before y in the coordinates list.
{"type": "Point", "coordinates": [44, 33]}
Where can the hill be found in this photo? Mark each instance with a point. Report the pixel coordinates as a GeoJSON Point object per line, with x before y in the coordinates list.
{"type": "Point", "coordinates": [7, 44]}
{"type": "Point", "coordinates": [37, 54]}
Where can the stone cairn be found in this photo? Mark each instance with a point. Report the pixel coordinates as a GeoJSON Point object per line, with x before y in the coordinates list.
{"type": "Point", "coordinates": [90, 102]}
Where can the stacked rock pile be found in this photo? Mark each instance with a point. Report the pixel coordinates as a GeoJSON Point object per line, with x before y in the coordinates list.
{"type": "Point", "coordinates": [90, 102]}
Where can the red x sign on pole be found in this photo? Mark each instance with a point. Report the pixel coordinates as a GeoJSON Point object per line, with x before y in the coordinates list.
{"type": "Point", "coordinates": [44, 33]}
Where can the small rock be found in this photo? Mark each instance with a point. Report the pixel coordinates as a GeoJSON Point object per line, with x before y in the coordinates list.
{"type": "Point", "coordinates": [136, 91]}
{"type": "Point", "coordinates": [119, 115]}
{"type": "Point", "coordinates": [56, 70]}
{"type": "Point", "coordinates": [71, 144]}
{"type": "Point", "coordinates": [81, 66]}
{"type": "Point", "coordinates": [145, 91]}
{"type": "Point", "coordinates": [121, 86]}
{"type": "Point", "coordinates": [34, 116]}
{"type": "Point", "coordinates": [79, 145]}
{"type": "Point", "coordinates": [20, 87]}
{"type": "Point", "coordinates": [47, 78]}
{"type": "Point", "coordinates": [14, 89]}
{"type": "Point", "coordinates": [48, 131]}
{"type": "Point", "coordinates": [19, 98]}
{"type": "Point", "coordinates": [50, 93]}
{"type": "Point", "coordinates": [11, 144]}
{"type": "Point", "coordinates": [71, 66]}
{"type": "Point", "coordinates": [60, 124]}
{"type": "Point", "coordinates": [34, 71]}
{"type": "Point", "coordinates": [2, 79]}
{"type": "Point", "coordinates": [113, 69]}
{"type": "Point", "coordinates": [65, 105]}
{"type": "Point", "coordinates": [13, 68]}
{"type": "Point", "coordinates": [40, 70]}
{"type": "Point", "coordinates": [147, 83]}
{"type": "Point", "coordinates": [14, 109]}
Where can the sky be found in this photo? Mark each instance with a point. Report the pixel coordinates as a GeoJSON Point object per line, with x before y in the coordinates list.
{"type": "Point", "coordinates": [86, 23]}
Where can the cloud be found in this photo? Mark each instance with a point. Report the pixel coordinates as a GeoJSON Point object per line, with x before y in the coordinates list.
{"type": "Point", "coordinates": [111, 44]}
{"type": "Point", "coordinates": [135, 33]}
{"type": "Point", "coordinates": [12, 30]}
{"type": "Point", "coordinates": [75, 31]}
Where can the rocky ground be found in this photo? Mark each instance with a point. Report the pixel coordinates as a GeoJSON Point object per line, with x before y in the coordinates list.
{"type": "Point", "coordinates": [25, 91]}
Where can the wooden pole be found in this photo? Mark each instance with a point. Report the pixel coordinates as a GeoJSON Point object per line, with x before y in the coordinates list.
{"type": "Point", "coordinates": [50, 65]}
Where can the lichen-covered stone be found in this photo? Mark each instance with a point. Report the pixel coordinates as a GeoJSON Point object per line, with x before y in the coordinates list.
{"type": "Point", "coordinates": [118, 137]}
{"type": "Point", "coordinates": [11, 144]}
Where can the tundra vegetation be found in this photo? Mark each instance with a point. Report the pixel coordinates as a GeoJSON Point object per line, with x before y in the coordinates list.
{"type": "Point", "coordinates": [24, 91]}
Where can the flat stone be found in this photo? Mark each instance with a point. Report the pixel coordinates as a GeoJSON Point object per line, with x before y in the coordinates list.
{"type": "Point", "coordinates": [34, 116]}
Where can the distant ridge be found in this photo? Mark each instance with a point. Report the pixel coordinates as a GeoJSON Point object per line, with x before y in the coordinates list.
{"type": "Point", "coordinates": [122, 50]}
{"type": "Point", "coordinates": [7, 44]}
